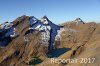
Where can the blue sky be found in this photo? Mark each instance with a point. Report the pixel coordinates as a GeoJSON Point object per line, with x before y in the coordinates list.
{"type": "Point", "coordinates": [57, 11]}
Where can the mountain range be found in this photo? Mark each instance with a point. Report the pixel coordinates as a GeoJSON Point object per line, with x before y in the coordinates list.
{"type": "Point", "coordinates": [25, 42]}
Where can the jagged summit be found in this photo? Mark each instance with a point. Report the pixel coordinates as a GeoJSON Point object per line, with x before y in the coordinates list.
{"type": "Point", "coordinates": [79, 21]}
{"type": "Point", "coordinates": [6, 25]}
{"type": "Point", "coordinates": [45, 20]}
{"type": "Point", "coordinates": [45, 25]}
{"type": "Point", "coordinates": [25, 48]}
{"type": "Point", "coordinates": [45, 17]}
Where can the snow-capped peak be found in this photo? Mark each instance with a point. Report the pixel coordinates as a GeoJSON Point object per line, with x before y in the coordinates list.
{"type": "Point", "coordinates": [45, 20]}
{"type": "Point", "coordinates": [79, 20]}
{"type": "Point", "coordinates": [6, 25]}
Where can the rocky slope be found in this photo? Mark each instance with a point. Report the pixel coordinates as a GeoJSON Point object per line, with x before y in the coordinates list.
{"type": "Point", "coordinates": [76, 40]}
{"type": "Point", "coordinates": [23, 47]}
{"type": "Point", "coordinates": [83, 39]}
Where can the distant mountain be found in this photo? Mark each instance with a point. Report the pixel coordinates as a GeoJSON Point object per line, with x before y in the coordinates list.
{"type": "Point", "coordinates": [79, 21]}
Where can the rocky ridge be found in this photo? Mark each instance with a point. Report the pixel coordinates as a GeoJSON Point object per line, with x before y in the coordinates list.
{"type": "Point", "coordinates": [81, 40]}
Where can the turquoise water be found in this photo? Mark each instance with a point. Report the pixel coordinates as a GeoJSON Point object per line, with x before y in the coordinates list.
{"type": "Point", "coordinates": [57, 52]}
{"type": "Point", "coordinates": [35, 61]}
{"type": "Point", "coordinates": [54, 53]}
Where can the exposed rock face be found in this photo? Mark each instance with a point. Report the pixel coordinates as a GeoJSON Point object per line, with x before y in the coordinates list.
{"type": "Point", "coordinates": [82, 39]}
{"type": "Point", "coordinates": [79, 21]}
{"type": "Point", "coordinates": [84, 42]}
{"type": "Point", "coordinates": [19, 51]}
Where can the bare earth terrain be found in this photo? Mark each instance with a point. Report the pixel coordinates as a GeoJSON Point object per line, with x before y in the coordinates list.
{"type": "Point", "coordinates": [78, 40]}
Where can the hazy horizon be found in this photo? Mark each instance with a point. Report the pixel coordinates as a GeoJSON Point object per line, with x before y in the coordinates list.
{"type": "Point", "coordinates": [58, 11]}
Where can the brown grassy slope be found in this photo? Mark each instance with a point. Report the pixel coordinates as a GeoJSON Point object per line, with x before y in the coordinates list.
{"type": "Point", "coordinates": [84, 41]}
{"type": "Point", "coordinates": [19, 52]}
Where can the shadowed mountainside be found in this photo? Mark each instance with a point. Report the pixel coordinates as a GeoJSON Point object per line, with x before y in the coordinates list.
{"type": "Point", "coordinates": [77, 40]}
{"type": "Point", "coordinates": [23, 47]}
{"type": "Point", "coordinates": [83, 40]}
